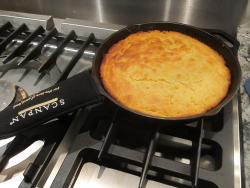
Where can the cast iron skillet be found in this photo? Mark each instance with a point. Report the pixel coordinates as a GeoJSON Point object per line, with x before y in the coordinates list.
{"type": "Point", "coordinates": [86, 88]}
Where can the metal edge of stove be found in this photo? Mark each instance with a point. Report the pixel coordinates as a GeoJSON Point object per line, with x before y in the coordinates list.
{"type": "Point", "coordinates": [236, 136]}
{"type": "Point", "coordinates": [31, 20]}
{"type": "Point", "coordinates": [84, 28]}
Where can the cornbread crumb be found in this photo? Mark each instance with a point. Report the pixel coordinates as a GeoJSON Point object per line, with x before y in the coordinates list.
{"type": "Point", "coordinates": [165, 74]}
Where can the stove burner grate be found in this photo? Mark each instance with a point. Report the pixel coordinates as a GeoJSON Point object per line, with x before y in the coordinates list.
{"type": "Point", "coordinates": [183, 156]}
{"type": "Point", "coordinates": [40, 38]}
{"type": "Point", "coordinates": [24, 56]}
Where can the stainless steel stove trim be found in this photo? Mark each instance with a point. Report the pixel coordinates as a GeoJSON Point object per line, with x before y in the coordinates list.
{"type": "Point", "coordinates": [31, 20]}
{"type": "Point", "coordinates": [223, 14]}
{"type": "Point", "coordinates": [84, 28]}
{"type": "Point", "coordinates": [236, 135]}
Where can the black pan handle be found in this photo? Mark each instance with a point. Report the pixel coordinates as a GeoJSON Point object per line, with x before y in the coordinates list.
{"type": "Point", "coordinates": [67, 96]}
{"type": "Point", "coordinates": [231, 42]}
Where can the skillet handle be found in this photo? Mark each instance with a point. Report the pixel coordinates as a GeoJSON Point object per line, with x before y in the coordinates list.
{"type": "Point", "coordinates": [67, 96]}
{"type": "Point", "coordinates": [231, 42]}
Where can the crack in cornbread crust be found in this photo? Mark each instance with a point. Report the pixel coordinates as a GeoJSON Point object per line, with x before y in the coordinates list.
{"type": "Point", "coordinates": [165, 74]}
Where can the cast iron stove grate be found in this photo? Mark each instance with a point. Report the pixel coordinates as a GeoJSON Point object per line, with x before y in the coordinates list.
{"type": "Point", "coordinates": [192, 155]}
{"type": "Point", "coordinates": [23, 48]}
{"type": "Point", "coordinates": [44, 64]}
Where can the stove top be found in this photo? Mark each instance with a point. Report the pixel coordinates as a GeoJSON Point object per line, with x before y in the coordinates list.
{"type": "Point", "coordinates": [103, 145]}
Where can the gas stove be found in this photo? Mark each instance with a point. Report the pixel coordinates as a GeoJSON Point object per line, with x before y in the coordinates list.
{"type": "Point", "coordinates": [102, 145]}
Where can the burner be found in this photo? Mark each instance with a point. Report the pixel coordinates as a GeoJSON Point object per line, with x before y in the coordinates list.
{"type": "Point", "coordinates": [9, 93]}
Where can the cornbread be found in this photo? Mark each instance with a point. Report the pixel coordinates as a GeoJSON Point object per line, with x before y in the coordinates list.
{"type": "Point", "coordinates": [165, 74]}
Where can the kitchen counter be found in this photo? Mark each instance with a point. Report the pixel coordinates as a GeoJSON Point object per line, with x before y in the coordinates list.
{"type": "Point", "coordinates": [243, 36]}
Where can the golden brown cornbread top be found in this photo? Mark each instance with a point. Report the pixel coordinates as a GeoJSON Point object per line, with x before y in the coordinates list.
{"type": "Point", "coordinates": [165, 74]}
